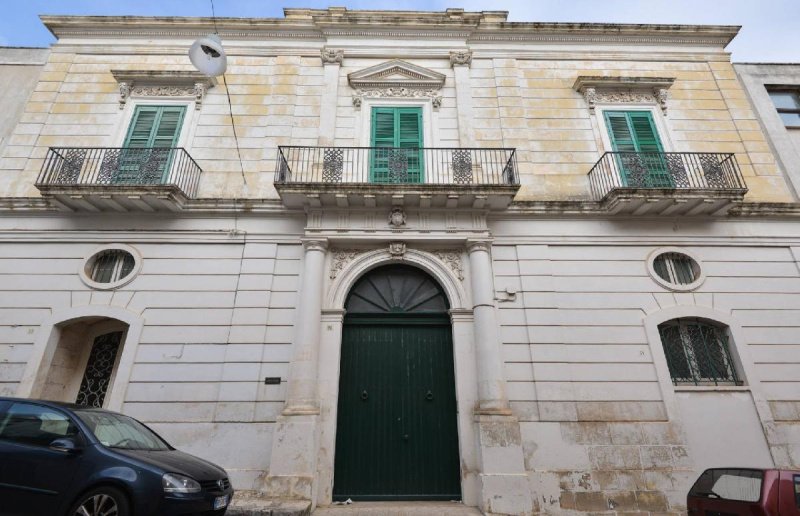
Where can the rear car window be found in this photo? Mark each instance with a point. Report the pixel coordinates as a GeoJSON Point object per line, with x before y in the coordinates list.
{"type": "Point", "coordinates": [743, 485]}
{"type": "Point", "coordinates": [797, 490]}
{"type": "Point", "coordinates": [35, 424]}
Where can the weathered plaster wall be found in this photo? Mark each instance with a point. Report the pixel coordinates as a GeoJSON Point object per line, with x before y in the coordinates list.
{"type": "Point", "coordinates": [19, 74]}
{"type": "Point", "coordinates": [524, 103]}
{"type": "Point", "coordinates": [602, 425]}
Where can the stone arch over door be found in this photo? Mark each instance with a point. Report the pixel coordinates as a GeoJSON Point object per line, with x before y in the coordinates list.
{"type": "Point", "coordinates": [461, 321]}
{"type": "Point", "coordinates": [72, 334]}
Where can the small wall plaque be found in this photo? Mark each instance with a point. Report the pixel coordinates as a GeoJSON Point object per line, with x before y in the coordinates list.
{"type": "Point", "coordinates": [272, 380]}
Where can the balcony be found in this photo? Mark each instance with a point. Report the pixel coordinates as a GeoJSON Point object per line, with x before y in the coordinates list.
{"type": "Point", "coordinates": [118, 179]}
{"type": "Point", "coordinates": [667, 183]}
{"type": "Point", "coordinates": [388, 176]}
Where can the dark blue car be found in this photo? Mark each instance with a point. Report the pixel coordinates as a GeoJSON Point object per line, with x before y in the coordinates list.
{"type": "Point", "coordinates": [62, 459]}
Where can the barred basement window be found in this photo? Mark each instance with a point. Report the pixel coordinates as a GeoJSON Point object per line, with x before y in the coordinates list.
{"type": "Point", "coordinates": [698, 353]}
{"type": "Point", "coordinates": [112, 266]}
{"type": "Point", "coordinates": [99, 369]}
{"type": "Point", "coordinates": [676, 268]}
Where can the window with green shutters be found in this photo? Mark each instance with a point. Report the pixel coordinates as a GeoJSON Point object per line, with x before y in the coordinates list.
{"type": "Point", "coordinates": [641, 161]}
{"type": "Point", "coordinates": [399, 130]}
{"type": "Point", "coordinates": [147, 152]}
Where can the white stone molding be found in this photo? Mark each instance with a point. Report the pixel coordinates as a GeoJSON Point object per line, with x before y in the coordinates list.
{"type": "Point", "coordinates": [397, 217]}
{"type": "Point", "coordinates": [340, 258]}
{"type": "Point", "coordinates": [675, 287]}
{"type": "Point", "coordinates": [397, 249]}
{"type": "Point", "coordinates": [161, 83]}
{"type": "Point", "coordinates": [48, 337]}
{"type": "Point", "coordinates": [461, 58]}
{"type": "Point", "coordinates": [331, 56]}
{"type": "Point", "coordinates": [624, 90]}
{"type": "Point", "coordinates": [363, 262]}
{"type": "Point", "coordinates": [453, 260]}
{"type": "Point", "coordinates": [396, 79]}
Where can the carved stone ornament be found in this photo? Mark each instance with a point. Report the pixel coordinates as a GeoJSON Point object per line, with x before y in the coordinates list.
{"type": "Point", "coordinates": [453, 260]}
{"type": "Point", "coordinates": [407, 93]}
{"type": "Point", "coordinates": [461, 58]}
{"type": "Point", "coordinates": [159, 83]}
{"type": "Point", "coordinates": [331, 56]}
{"type": "Point", "coordinates": [340, 259]}
{"type": "Point", "coordinates": [624, 90]}
{"type": "Point", "coordinates": [396, 79]}
{"type": "Point", "coordinates": [397, 218]}
{"type": "Point", "coordinates": [397, 249]}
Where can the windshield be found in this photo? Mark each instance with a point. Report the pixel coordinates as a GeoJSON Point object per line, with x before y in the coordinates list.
{"type": "Point", "coordinates": [123, 432]}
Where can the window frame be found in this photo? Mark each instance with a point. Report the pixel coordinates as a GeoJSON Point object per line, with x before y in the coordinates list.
{"type": "Point", "coordinates": [87, 267]}
{"type": "Point", "coordinates": [779, 110]}
{"type": "Point", "coordinates": [675, 287]}
{"type": "Point", "coordinates": [659, 120]}
{"type": "Point", "coordinates": [727, 347]}
{"type": "Point", "coordinates": [187, 129]}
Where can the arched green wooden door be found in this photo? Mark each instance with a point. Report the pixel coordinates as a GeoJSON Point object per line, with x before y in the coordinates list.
{"type": "Point", "coordinates": [396, 436]}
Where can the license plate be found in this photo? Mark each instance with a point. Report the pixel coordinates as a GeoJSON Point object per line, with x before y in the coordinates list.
{"type": "Point", "coordinates": [220, 502]}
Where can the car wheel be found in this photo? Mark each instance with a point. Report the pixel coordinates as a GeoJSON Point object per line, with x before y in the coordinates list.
{"type": "Point", "coordinates": [103, 501]}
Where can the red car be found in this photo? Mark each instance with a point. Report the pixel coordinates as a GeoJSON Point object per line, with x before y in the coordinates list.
{"type": "Point", "coordinates": [745, 491]}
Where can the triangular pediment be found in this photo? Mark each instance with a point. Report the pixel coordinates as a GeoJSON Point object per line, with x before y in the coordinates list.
{"type": "Point", "coordinates": [396, 74]}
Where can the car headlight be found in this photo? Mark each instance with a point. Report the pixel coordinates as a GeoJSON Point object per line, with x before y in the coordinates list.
{"type": "Point", "coordinates": [174, 483]}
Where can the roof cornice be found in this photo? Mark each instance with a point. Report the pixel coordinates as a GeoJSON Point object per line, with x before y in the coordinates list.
{"type": "Point", "coordinates": [486, 26]}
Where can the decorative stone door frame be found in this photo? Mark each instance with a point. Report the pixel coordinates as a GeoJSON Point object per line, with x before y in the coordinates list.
{"type": "Point", "coordinates": [345, 276]}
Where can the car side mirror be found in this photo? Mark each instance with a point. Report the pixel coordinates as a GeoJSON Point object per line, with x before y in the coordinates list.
{"type": "Point", "coordinates": [65, 445]}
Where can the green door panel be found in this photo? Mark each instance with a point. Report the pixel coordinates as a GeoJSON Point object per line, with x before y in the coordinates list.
{"type": "Point", "coordinates": [147, 151]}
{"type": "Point", "coordinates": [399, 130]}
{"type": "Point", "coordinates": [396, 434]}
{"type": "Point", "coordinates": [635, 131]}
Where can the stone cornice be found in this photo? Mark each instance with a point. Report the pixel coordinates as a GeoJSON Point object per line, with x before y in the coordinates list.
{"type": "Point", "coordinates": [162, 83]}
{"type": "Point", "coordinates": [36, 205]}
{"type": "Point", "coordinates": [318, 24]}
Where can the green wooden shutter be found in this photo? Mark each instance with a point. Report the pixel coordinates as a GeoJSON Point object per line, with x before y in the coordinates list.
{"type": "Point", "coordinates": [396, 128]}
{"type": "Point", "coordinates": [635, 131]}
{"type": "Point", "coordinates": [152, 129]}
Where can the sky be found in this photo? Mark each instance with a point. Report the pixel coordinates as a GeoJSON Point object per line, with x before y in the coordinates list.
{"type": "Point", "coordinates": [770, 28]}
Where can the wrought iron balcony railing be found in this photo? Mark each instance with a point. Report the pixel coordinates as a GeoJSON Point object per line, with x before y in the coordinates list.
{"type": "Point", "coordinates": [665, 170]}
{"type": "Point", "coordinates": [120, 167]}
{"type": "Point", "coordinates": [401, 166]}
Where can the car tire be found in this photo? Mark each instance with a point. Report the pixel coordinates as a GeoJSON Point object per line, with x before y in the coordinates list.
{"type": "Point", "coordinates": [100, 501]}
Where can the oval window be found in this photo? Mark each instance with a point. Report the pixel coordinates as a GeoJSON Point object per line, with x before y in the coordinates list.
{"type": "Point", "coordinates": [675, 269]}
{"type": "Point", "coordinates": [110, 267]}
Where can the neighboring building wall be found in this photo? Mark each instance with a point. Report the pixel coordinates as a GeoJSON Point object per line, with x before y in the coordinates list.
{"type": "Point", "coordinates": [786, 142]}
{"type": "Point", "coordinates": [19, 75]}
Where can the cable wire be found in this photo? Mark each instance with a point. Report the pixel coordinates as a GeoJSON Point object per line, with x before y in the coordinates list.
{"type": "Point", "coordinates": [230, 105]}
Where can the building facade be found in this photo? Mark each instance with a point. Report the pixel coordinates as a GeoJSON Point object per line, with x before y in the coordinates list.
{"type": "Point", "coordinates": [537, 267]}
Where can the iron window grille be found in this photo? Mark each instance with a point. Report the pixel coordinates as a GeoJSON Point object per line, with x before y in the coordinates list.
{"type": "Point", "coordinates": [112, 265]}
{"type": "Point", "coordinates": [697, 353]}
{"type": "Point", "coordinates": [676, 268]}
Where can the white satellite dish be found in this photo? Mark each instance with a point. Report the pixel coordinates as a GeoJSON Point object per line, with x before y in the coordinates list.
{"type": "Point", "coordinates": [208, 56]}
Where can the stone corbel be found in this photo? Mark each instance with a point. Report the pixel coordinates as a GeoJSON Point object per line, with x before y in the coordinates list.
{"type": "Point", "coordinates": [622, 90]}
{"type": "Point", "coordinates": [159, 83]}
{"type": "Point", "coordinates": [331, 56]}
{"type": "Point", "coordinates": [461, 58]}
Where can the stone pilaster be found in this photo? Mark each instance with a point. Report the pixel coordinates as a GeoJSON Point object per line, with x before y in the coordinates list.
{"type": "Point", "coordinates": [331, 63]}
{"type": "Point", "coordinates": [461, 61]}
{"type": "Point", "coordinates": [295, 442]}
{"type": "Point", "coordinates": [503, 479]}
